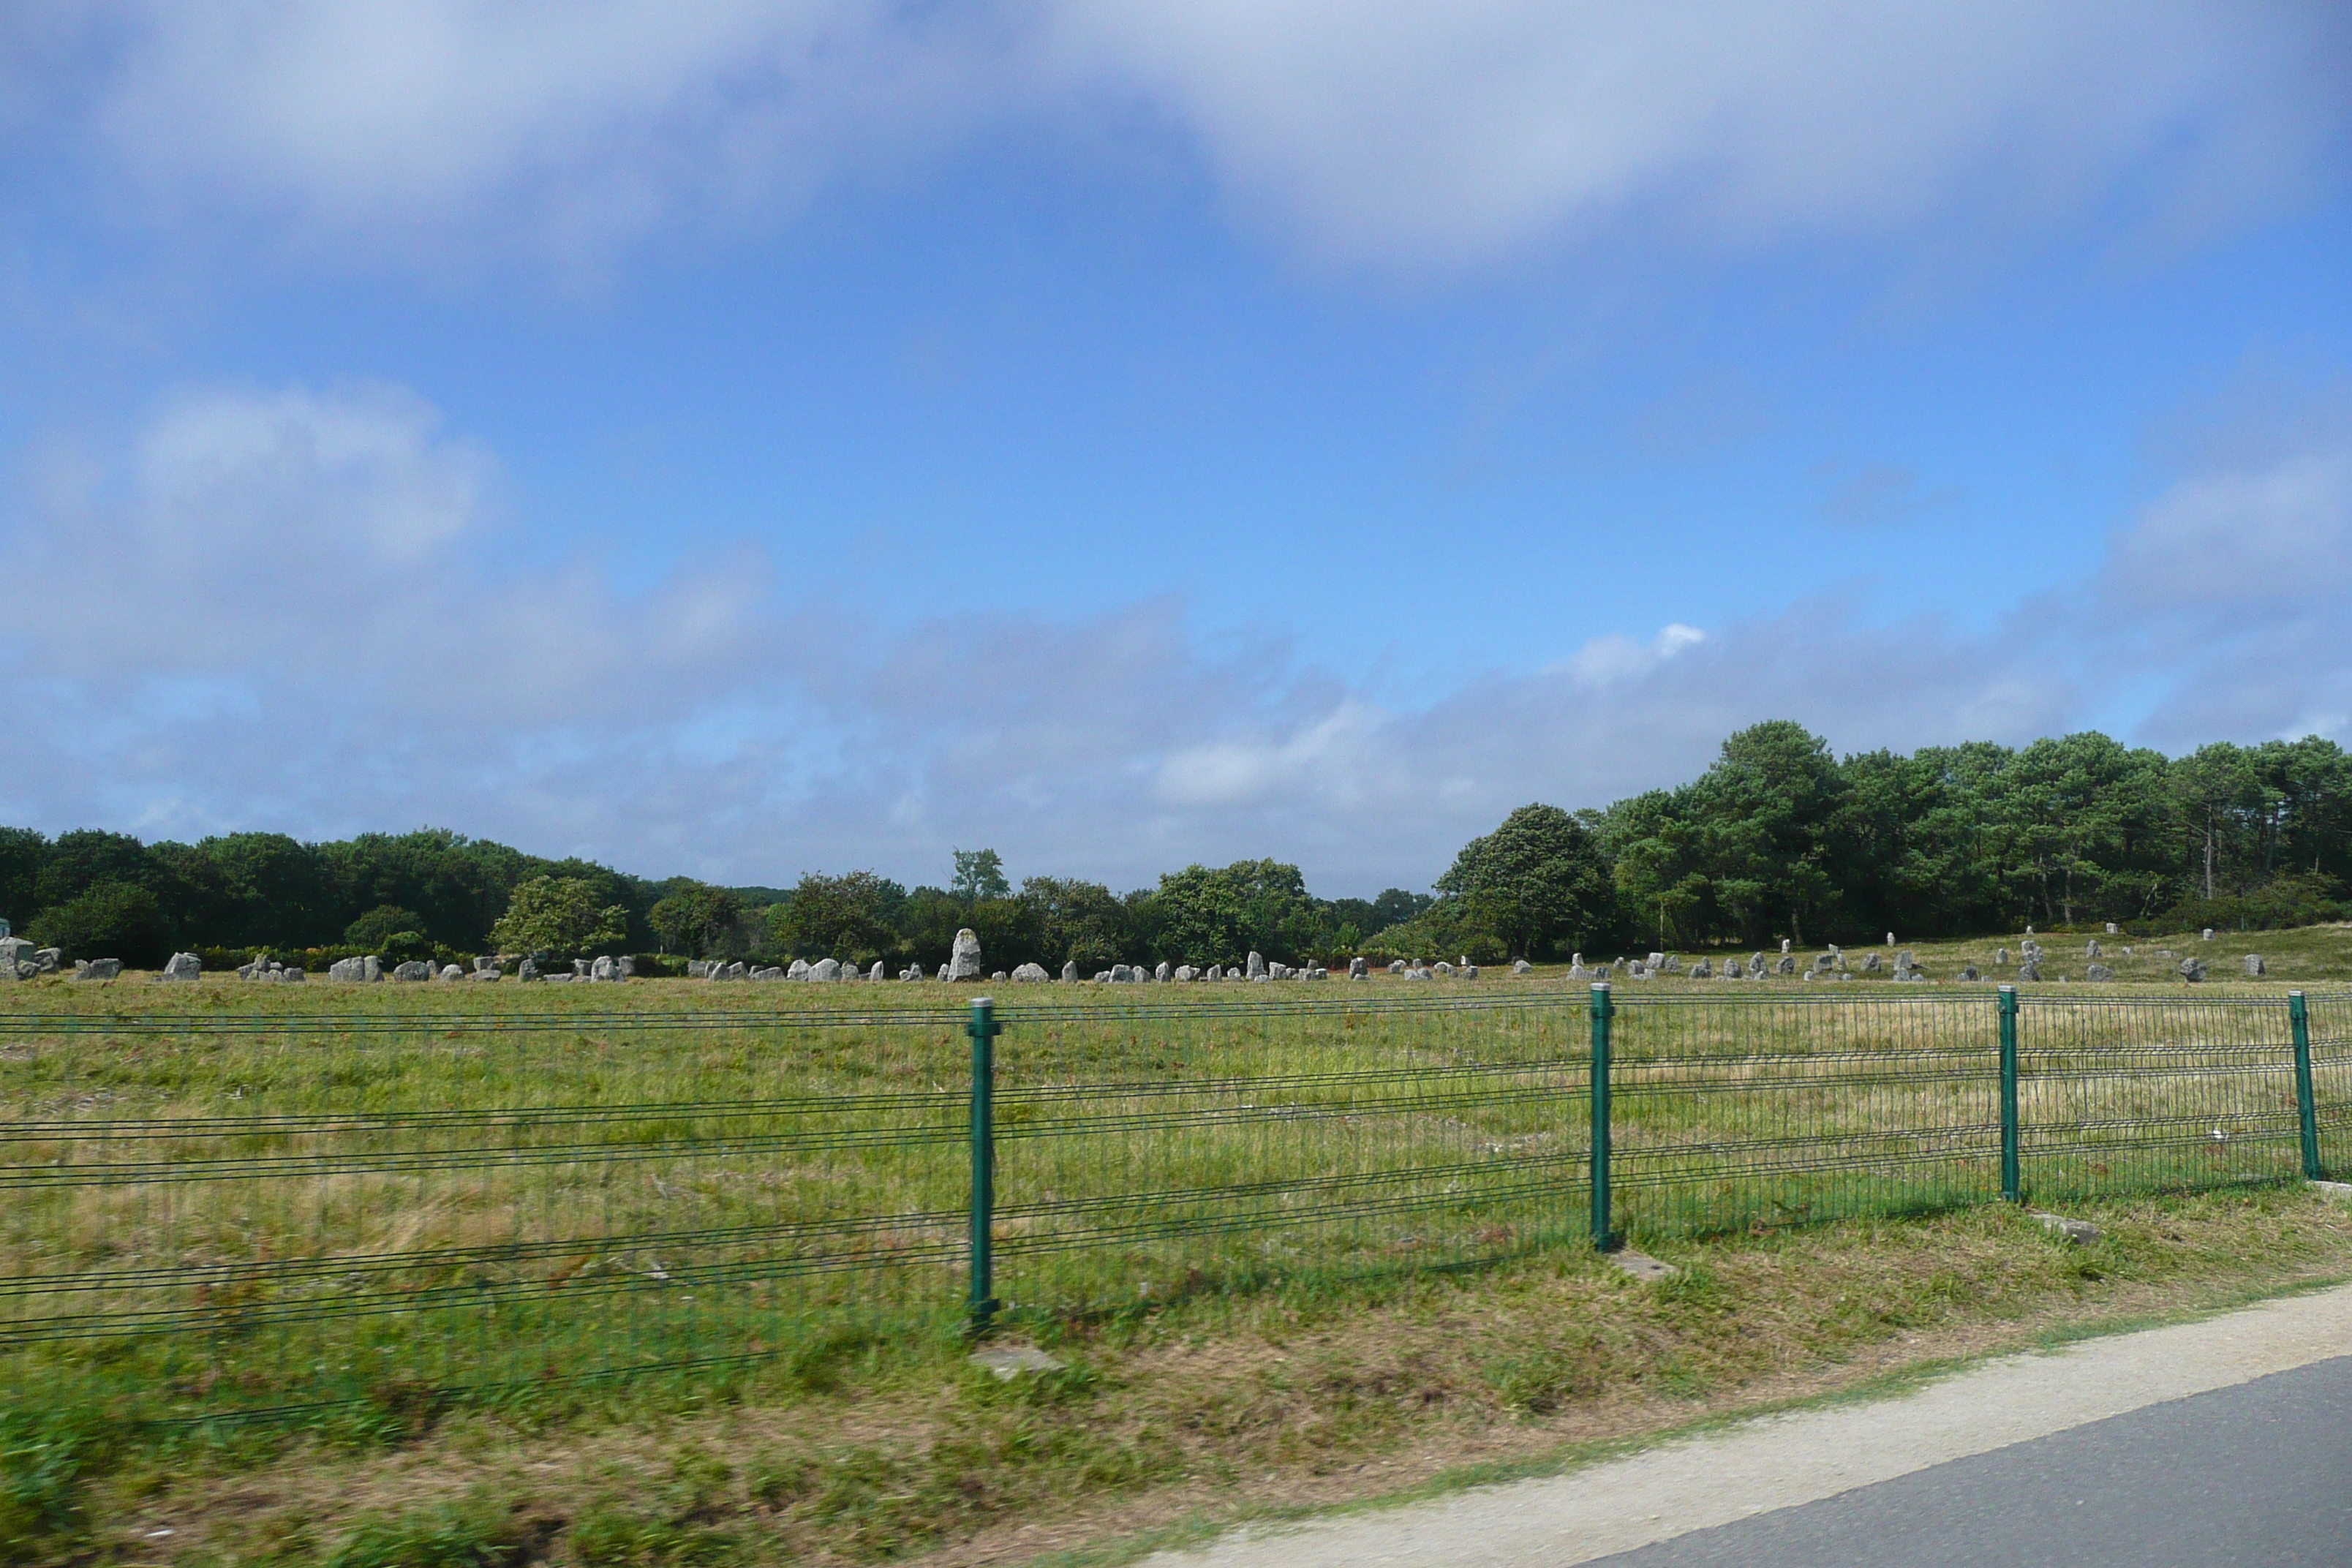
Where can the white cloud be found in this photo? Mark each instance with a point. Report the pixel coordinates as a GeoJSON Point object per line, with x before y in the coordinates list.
{"type": "Point", "coordinates": [288, 609]}
{"type": "Point", "coordinates": [1402, 135]}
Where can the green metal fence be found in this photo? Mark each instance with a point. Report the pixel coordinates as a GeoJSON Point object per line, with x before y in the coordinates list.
{"type": "Point", "coordinates": [209, 1216]}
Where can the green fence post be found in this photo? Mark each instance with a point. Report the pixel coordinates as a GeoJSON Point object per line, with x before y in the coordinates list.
{"type": "Point", "coordinates": [984, 1029]}
{"type": "Point", "coordinates": [2012, 1190]}
{"type": "Point", "coordinates": [2306, 1109]}
{"type": "Point", "coordinates": [1602, 1238]}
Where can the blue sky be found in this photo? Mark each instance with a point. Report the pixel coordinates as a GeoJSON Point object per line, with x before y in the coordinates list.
{"type": "Point", "coordinates": [747, 437]}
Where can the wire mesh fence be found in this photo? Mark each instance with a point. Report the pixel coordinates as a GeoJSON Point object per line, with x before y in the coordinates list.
{"type": "Point", "coordinates": [1732, 1112]}
{"type": "Point", "coordinates": [209, 1216]}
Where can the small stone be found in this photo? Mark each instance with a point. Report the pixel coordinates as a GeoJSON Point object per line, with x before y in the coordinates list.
{"type": "Point", "coordinates": [1642, 1266]}
{"type": "Point", "coordinates": [2077, 1232]}
{"type": "Point", "coordinates": [999, 975]}
{"type": "Point", "coordinates": [1009, 1362]}
{"type": "Point", "coordinates": [98, 969]}
{"type": "Point", "coordinates": [2098, 973]}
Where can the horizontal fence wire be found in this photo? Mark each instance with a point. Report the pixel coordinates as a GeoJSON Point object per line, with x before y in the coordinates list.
{"type": "Point", "coordinates": [211, 1214]}
{"type": "Point", "coordinates": [1370, 1139]}
{"type": "Point", "coordinates": [2330, 1027]}
{"type": "Point", "coordinates": [1732, 1113]}
{"type": "Point", "coordinates": [2127, 1095]}
{"type": "Point", "coordinates": [209, 1220]}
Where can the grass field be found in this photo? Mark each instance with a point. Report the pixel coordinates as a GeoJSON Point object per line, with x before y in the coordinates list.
{"type": "Point", "coordinates": [340, 1204]}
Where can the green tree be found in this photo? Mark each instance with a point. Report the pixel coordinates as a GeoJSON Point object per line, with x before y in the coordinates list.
{"type": "Point", "coordinates": [847, 917]}
{"type": "Point", "coordinates": [1536, 884]}
{"type": "Point", "coordinates": [1077, 922]}
{"type": "Point", "coordinates": [979, 874]}
{"type": "Point", "coordinates": [23, 853]}
{"type": "Point", "coordinates": [560, 916]}
{"type": "Point", "coordinates": [1202, 915]}
{"type": "Point", "coordinates": [696, 919]}
{"type": "Point", "coordinates": [109, 920]}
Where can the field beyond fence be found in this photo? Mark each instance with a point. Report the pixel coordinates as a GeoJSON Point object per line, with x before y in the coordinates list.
{"type": "Point", "coordinates": [215, 1216]}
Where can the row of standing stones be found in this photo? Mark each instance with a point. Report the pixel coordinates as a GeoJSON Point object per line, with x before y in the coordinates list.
{"type": "Point", "coordinates": [20, 959]}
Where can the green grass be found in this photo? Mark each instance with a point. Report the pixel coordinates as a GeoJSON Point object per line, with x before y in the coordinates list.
{"type": "Point", "coordinates": [477, 1167]}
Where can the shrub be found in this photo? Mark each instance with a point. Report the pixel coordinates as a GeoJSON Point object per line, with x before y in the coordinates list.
{"type": "Point", "coordinates": [113, 920]}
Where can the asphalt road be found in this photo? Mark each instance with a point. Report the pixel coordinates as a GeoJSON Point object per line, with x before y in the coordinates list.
{"type": "Point", "coordinates": [2257, 1474]}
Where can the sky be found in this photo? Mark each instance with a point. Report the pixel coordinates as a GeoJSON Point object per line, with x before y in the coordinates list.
{"type": "Point", "coordinates": [747, 437]}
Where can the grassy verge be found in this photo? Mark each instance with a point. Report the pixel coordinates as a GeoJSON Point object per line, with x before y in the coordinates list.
{"type": "Point", "coordinates": [1168, 1419]}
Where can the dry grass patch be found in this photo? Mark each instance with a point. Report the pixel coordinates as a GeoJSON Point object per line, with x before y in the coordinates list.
{"type": "Point", "coordinates": [1208, 1408]}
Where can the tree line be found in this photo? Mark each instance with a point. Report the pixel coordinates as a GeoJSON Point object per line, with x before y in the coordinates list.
{"type": "Point", "coordinates": [1779, 837]}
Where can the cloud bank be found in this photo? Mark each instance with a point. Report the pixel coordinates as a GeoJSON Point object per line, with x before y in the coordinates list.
{"type": "Point", "coordinates": [1391, 134]}
{"type": "Point", "coordinates": [289, 609]}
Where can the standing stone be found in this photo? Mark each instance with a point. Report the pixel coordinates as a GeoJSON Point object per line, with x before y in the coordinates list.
{"type": "Point", "coordinates": [1120, 975]}
{"type": "Point", "coordinates": [1070, 971]}
{"type": "Point", "coordinates": [1788, 965]}
{"type": "Point", "coordinates": [2000, 955]}
{"type": "Point", "coordinates": [2192, 970]}
{"type": "Point", "coordinates": [47, 959]}
{"type": "Point", "coordinates": [413, 970]}
{"type": "Point", "coordinates": [1396, 965]}
{"type": "Point", "coordinates": [1444, 967]}
{"type": "Point", "coordinates": [2098, 972]}
{"type": "Point", "coordinates": [1658, 959]}
{"type": "Point", "coordinates": [963, 963]}
{"type": "Point", "coordinates": [1360, 968]}
{"type": "Point", "coordinates": [2029, 969]}
{"type": "Point", "coordinates": [98, 969]}
{"type": "Point", "coordinates": [825, 969]}
{"type": "Point", "coordinates": [1870, 964]}
{"type": "Point", "coordinates": [450, 971]}
{"type": "Point", "coordinates": [580, 970]}
{"type": "Point", "coordinates": [1467, 972]}
{"type": "Point", "coordinates": [1518, 966]}
{"type": "Point", "coordinates": [2091, 949]}
{"type": "Point", "coordinates": [2254, 969]}
{"type": "Point", "coordinates": [602, 968]}
{"type": "Point", "coordinates": [183, 966]}
{"type": "Point", "coordinates": [1890, 938]}
{"type": "Point", "coordinates": [348, 969]}
{"type": "Point", "coordinates": [2111, 928]}
{"type": "Point", "coordinates": [1756, 967]}
{"type": "Point", "coordinates": [2208, 934]}
{"type": "Point", "coordinates": [1824, 961]}
{"type": "Point", "coordinates": [799, 970]}
{"type": "Point", "coordinates": [1165, 971]}
{"type": "Point", "coordinates": [1030, 974]}
{"type": "Point", "coordinates": [1256, 966]}
{"type": "Point", "coordinates": [1969, 972]}
{"type": "Point", "coordinates": [1702, 970]}
{"type": "Point", "coordinates": [1578, 972]}
{"type": "Point", "coordinates": [1784, 944]}
{"type": "Point", "coordinates": [1185, 974]}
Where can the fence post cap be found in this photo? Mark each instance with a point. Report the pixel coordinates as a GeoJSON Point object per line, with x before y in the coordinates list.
{"type": "Point", "coordinates": [983, 1001]}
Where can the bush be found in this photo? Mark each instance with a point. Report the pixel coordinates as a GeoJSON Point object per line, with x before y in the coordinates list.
{"type": "Point", "coordinates": [113, 920]}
